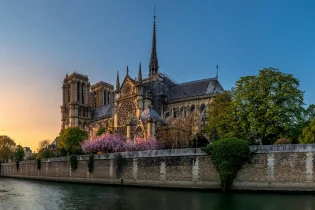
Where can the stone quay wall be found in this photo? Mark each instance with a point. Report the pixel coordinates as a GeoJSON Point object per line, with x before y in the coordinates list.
{"type": "Point", "coordinates": [275, 167]}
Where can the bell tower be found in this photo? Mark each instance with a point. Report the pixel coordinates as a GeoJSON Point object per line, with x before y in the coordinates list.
{"type": "Point", "coordinates": [75, 108]}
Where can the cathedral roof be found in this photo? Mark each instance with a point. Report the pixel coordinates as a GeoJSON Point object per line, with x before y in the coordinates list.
{"type": "Point", "coordinates": [103, 111]}
{"type": "Point", "coordinates": [196, 88]}
{"type": "Point", "coordinates": [150, 113]}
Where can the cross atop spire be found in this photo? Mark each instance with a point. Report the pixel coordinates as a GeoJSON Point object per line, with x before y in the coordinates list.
{"type": "Point", "coordinates": [154, 66]}
{"type": "Point", "coordinates": [217, 75]}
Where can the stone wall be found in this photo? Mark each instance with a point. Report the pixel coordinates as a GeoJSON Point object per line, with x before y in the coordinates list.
{"type": "Point", "coordinates": [281, 167]}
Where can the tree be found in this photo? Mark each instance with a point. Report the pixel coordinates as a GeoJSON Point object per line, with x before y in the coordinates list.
{"type": "Point", "coordinates": [228, 156]}
{"type": "Point", "coordinates": [19, 153]}
{"type": "Point", "coordinates": [70, 140]}
{"type": "Point", "coordinates": [268, 106]}
{"type": "Point", "coordinates": [308, 134]}
{"type": "Point", "coordinates": [100, 131]}
{"type": "Point", "coordinates": [220, 118]}
{"type": "Point", "coordinates": [45, 151]}
{"type": "Point", "coordinates": [7, 146]}
{"type": "Point", "coordinates": [179, 133]}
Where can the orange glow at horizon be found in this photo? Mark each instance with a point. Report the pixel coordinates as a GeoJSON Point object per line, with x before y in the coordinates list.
{"type": "Point", "coordinates": [29, 105]}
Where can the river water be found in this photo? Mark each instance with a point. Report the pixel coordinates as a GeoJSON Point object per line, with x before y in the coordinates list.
{"type": "Point", "coordinates": [30, 194]}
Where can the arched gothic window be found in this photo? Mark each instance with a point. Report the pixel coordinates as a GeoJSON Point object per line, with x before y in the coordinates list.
{"type": "Point", "coordinates": [104, 97]}
{"type": "Point", "coordinates": [202, 107]}
{"type": "Point", "coordinates": [82, 93]}
{"type": "Point", "coordinates": [69, 93]}
{"type": "Point", "coordinates": [192, 108]}
{"type": "Point", "coordinates": [78, 91]}
{"type": "Point", "coordinates": [94, 99]}
{"type": "Point", "coordinates": [109, 93]}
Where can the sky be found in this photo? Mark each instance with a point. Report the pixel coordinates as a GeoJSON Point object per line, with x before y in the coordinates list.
{"type": "Point", "coordinates": [42, 41]}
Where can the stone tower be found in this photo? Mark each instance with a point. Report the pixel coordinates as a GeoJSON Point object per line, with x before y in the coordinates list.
{"type": "Point", "coordinates": [75, 109]}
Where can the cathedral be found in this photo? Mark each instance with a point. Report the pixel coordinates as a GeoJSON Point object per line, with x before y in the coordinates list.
{"type": "Point", "coordinates": [136, 107]}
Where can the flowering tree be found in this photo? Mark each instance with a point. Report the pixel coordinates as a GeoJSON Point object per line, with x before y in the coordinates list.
{"type": "Point", "coordinates": [115, 143]}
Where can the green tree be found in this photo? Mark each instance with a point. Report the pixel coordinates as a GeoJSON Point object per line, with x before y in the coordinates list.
{"type": "Point", "coordinates": [228, 156]}
{"type": "Point", "coordinates": [70, 140]}
{"type": "Point", "coordinates": [221, 120]}
{"type": "Point", "coordinates": [44, 150]}
{"type": "Point", "coordinates": [19, 153]}
{"type": "Point", "coordinates": [100, 131]}
{"type": "Point", "coordinates": [308, 134]}
{"type": "Point", "coordinates": [268, 106]}
{"type": "Point", "coordinates": [7, 147]}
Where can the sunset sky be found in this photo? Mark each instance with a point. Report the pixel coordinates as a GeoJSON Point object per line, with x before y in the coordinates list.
{"type": "Point", "coordinates": [41, 41]}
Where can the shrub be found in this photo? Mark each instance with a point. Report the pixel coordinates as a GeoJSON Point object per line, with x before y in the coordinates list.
{"type": "Point", "coordinates": [228, 156]}
{"type": "Point", "coordinates": [17, 163]}
{"type": "Point", "coordinates": [91, 163]}
{"type": "Point", "coordinates": [283, 140]}
{"type": "Point", "coordinates": [73, 162]}
{"type": "Point", "coordinates": [38, 164]}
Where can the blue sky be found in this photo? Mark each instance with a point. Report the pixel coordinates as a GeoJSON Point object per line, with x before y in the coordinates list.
{"type": "Point", "coordinates": [41, 41]}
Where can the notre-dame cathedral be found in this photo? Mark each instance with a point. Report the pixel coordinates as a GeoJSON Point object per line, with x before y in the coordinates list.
{"type": "Point", "coordinates": [136, 107]}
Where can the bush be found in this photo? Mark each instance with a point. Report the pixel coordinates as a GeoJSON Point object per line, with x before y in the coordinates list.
{"type": "Point", "coordinates": [228, 156]}
{"type": "Point", "coordinates": [70, 140]}
{"type": "Point", "coordinates": [73, 162]}
{"type": "Point", "coordinates": [283, 141]}
{"type": "Point", "coordinates": [91, 163]}
{"type": "Point", "coordinates": [308, 134]}
{"type": "Point", "coordinates": [17, 163]}
{"type": "Point", "coordinates": [45, 153]}
{"type": "Point", "coordinates": [38, 164]}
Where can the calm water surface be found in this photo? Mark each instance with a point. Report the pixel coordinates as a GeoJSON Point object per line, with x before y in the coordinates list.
{"type": "Point", "coordinates": [25, 194]}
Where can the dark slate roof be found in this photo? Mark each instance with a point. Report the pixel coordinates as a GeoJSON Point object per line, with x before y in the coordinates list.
{"type": "Point", "coordinates": [149, 113]}
{"type": "Point", "coordinates": [103, 111]}
{"type": "Point", "coordinates": [195, 88]}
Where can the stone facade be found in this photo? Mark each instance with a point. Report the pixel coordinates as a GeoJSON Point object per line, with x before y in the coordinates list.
{"type": "Point", "coordinates": [136, 107]}
{"type": "Point", "coordinates": [288, 167]}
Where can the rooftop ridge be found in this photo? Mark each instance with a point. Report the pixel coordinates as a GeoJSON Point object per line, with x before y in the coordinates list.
{"type": "Point", "coordinates": [199, 80]}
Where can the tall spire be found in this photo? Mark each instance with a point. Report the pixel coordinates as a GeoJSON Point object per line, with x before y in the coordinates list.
{"type": "Point", "coordinates": [127, 70]}
{"type": "Point", "coordinates": [154, 66]}
{"type": "Point", "coordinates": [117, 82]}
{"type": "Point", "coordinates": [140, 73]}
{"type": "Point", "coordinates": [217, 75]}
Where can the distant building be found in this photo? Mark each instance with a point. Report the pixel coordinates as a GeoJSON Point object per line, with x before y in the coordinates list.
{"type": "Point", "coordinates": [136, 107]}
{"type": "Point", "coordinates": [54, 144]}
{"type": "Point", "coordinates": [27, 153]}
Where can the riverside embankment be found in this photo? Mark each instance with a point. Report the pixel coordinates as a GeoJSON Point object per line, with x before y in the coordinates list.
{"type": "Point", "coordinates": [275, 167]}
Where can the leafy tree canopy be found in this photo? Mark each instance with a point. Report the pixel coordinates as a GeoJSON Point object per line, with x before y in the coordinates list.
{"type": "Point", "coordinates": [44, 150]}
{"type": "Point", "coordinates": [221, 120]}
{"type": "Point", "coordinates": [70, 140]}
{"type": "Point", "coordinates": [19, 153]}
{"type": "Point", "coordinates": [228, 156]}
{"type": "Point", "coordinates": [308, 134]}
{"type": "Point", "coordinates": [7, 147]}
{"type": "Point", "coordinates": [269, 105]}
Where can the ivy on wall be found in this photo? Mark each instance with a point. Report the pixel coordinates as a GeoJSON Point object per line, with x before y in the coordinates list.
{"type": "Point", "coordinates": [228, 156]}
{"type": "Point", "coordinates": [73, 162]}
{"type": "Point", "coordinates": [91, 163]}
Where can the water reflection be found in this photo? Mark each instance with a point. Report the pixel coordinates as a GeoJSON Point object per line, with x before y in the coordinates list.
{"type": "Point", "coordinates": [27, 194]}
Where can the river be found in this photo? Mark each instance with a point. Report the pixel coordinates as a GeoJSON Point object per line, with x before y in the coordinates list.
{"type": "Point", "coordinates": [31, 194]}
